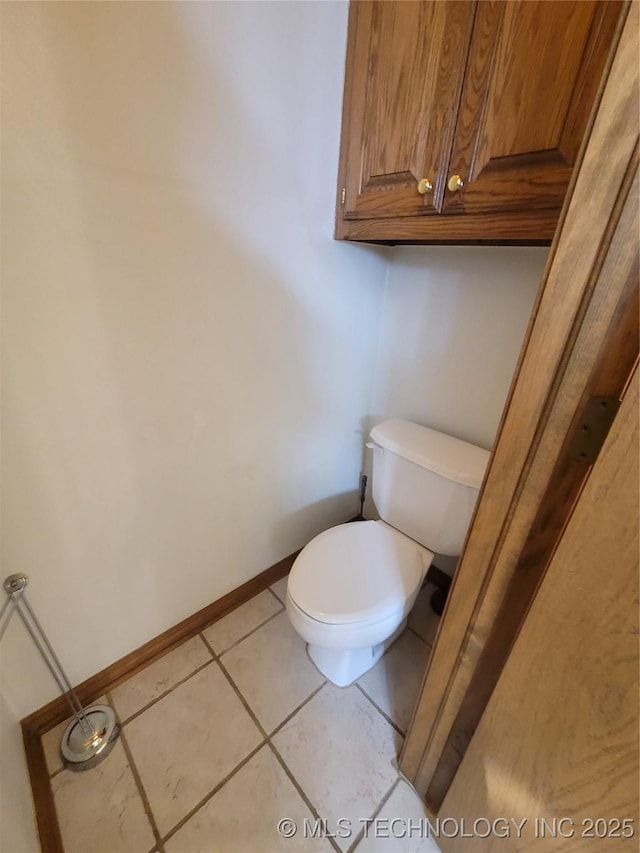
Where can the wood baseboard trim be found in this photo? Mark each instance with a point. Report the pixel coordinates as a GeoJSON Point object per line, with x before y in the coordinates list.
{"type": "Point", "coordinates": [88, 691]}
{"type": "Point", "coordinates": [45, 718]}
{"type": "Point", "coordinates": [44, 806]}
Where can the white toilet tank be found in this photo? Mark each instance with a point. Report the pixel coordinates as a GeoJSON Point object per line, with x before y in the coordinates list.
{"type": "Point", "coordinates": [426, 483]}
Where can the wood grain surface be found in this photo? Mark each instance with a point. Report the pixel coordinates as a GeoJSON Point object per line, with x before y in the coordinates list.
{"type": "Point", "coordinates": [559, 739]}
{"type": "Point", "coordinates": [499, 93]}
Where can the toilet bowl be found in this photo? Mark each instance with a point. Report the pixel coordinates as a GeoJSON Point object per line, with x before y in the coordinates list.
{"type": "Point", "coordinates": [350, 592]}
{"type": "Point", "coordinates": [351, 588]}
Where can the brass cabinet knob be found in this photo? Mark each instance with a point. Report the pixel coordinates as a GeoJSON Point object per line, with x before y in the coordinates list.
{"type": "Point", "coordinates": [455, 183]}
{"type": "Point", "coordinates": [424, 186]}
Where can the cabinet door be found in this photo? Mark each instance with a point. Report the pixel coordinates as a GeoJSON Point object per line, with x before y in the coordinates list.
{"type": "Point", "coordinates": [405, 66]}
{"type": "Point", "coordinates": [532, 74]}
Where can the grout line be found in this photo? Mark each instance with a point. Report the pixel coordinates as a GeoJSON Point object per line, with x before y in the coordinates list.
{"type": "Point", "coordinates": [252, 631]}
{"type": "Point", "coordinates": [284, 722]}
{"type": "Point", "coordinates": [266, 740]}
{"type": "Point", "coordinates": [143, 794]}
{"type": "Point", "coordinates": [163, 695]}
{"type": "Point", "coordinates": [400, 636]}
{"type": "Point", "coordinates": [301, 792]}
{"type": "Point", "coordinates": [374, 815]}
{"type": "Point", "coordinates": [380, 711]}
{"type": "Point", "coordinates": [413, 631]}
{"type": "Point", "coordinates": [246, 705]}
{"type": "Point", "coordinates": [238, 606]}
{"type": "Point", "coordinates": [251, 712]}
{"type": "Point", "coordinates": [213, 791]}
{"type": "Point", "coordinates": [275, 594]}
{"type": "Point", "coordinates": [208, 645]}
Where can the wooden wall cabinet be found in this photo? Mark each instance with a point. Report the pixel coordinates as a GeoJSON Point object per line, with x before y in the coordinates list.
{"type": "Point", "coordinates": [496, 93]}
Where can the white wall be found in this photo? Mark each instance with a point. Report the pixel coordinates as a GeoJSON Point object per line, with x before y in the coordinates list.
{"type": "Point", "coordinates": [17, 823]}
{"type": "Point", "coordinates": [187, 353]}
{"type": "Point", "coordinates": [451, 330]}
{"type": "Point", "coordinates": [450, 333]}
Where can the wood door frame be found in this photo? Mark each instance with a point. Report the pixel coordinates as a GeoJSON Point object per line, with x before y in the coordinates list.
{"type": "Point", "coordinates": [586, 310]}
{"type": "Point", "coordinates": [560, 734]}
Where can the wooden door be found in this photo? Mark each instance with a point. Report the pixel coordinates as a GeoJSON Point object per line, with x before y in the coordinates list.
{"type": "Point", "coordinates": [532, 75]}
{"type": "Point", "coordinates": [559, 738]}
{"type": "Point", "coordinates": [405, 65]}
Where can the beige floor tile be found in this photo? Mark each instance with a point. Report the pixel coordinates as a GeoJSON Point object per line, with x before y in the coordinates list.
{"type": "Point", "coordinates": [394, 682]}
{"type": "Point", "coordinates": [422, 619]}
{"type": "Point", "coordinates": [158, 677]}
{"type": "Point", "coordinates": [401, 825]}
{"type": "Point", "coordinates": [243, 816]}
{"type": "Point", "coordinates": [186, 743]}
{"type": "Point", "coordinates": [279, 588]}
{"type": "Point", "coordinates": [272, 671]}
{"type": "Point", "coordinates": [342, 751]}
{"type": "Point", "coordinates": [51, 741]}
{"type": "Point", "coordinates": [100, 809]}
{"type": "Point", "coordinates": [242, 621]}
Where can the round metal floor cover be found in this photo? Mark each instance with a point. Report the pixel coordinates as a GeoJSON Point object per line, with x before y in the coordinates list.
{"type": "Point", "coordinates": [82, 748]}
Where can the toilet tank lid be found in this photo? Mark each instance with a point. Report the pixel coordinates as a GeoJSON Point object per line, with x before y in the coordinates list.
{"type": "Point", "coordinates": [443, 454]}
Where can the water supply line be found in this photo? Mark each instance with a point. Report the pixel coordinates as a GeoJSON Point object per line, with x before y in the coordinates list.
{"type": "Point", "coordinates": [92, 733]}
{"type": "Point", "coordinates": [363, 495]}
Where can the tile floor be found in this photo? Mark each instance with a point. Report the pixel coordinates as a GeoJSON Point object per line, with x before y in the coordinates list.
{"type": "Point", "coordinates": [236, 730]}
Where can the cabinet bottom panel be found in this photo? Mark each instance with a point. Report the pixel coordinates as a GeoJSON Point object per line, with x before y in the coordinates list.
{"type": "Point", "coordinates": [537, 228]}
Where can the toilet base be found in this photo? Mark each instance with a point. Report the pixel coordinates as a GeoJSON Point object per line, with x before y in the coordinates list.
{"type": "Point", "coordinates": [343, 666]}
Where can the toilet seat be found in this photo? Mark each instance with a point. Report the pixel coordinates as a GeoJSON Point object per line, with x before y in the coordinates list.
{"type": "Point", "coordinates": [357, 573]}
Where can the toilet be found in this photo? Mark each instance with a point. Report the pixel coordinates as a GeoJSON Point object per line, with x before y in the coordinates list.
{"type": "Point", "coordinates": [352, 587]}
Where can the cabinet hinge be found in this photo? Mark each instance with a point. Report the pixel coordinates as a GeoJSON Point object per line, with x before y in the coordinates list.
{"type": "Point", "coordinates": [343, 195]}
{"type": "Point", "coordinates": [593, 428]}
